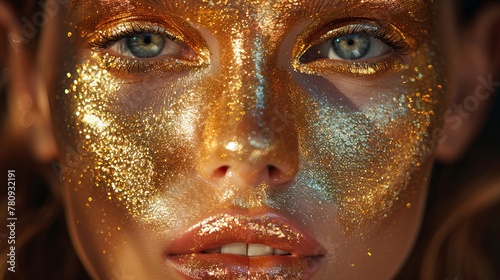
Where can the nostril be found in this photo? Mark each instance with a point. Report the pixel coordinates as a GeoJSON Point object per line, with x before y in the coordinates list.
{"type": "Point", "coordinates": [221, 172]}
{"type": "Point", "coordinates": [274, 172]}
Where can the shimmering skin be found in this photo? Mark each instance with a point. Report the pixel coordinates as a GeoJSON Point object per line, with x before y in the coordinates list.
{"type": "Point", "coordinates": [351, 142]}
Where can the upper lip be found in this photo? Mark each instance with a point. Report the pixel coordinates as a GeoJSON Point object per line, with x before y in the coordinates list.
{"type": "Point", "coordinates": [270, 229]}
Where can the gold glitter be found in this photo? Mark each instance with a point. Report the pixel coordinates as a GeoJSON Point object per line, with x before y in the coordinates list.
{"type": "Point", "coordinates": [136, 142]}
{"type": "Point", "coordinates": [217, 270]}
{"type": "Point", "coordinates": [148, 134]}
{"type": "Point", "coordinates": [262, 227]}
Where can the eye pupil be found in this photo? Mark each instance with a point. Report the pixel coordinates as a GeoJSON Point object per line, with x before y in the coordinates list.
{"type": "Point", "coordinates": [351, 46]}
{"type": "Point", "coordinates": [145, 45]}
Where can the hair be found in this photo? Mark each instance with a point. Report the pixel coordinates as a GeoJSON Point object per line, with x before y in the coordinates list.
{"type": "Point", "coordinates": [459, 237]}
{"type": "Point", "coordinates": [458, 240]}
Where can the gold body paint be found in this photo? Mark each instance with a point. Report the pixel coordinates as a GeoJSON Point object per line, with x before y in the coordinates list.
{"type": "Point", "coordinates": [353, 139]}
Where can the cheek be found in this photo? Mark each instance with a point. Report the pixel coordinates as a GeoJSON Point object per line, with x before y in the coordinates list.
{"type": "Point", "coordinates": [131, 139]}
{"type": "Point", "coordinates": [367, 145]}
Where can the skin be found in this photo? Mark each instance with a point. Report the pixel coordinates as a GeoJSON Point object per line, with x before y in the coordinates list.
{"type": "Point", "coordinates": [150, 148]}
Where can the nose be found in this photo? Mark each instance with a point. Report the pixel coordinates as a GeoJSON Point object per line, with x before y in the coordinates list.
{"type": "Point", "coordinates": [249, 136]}
{"type": "Point", "coordinates": [248, 158]}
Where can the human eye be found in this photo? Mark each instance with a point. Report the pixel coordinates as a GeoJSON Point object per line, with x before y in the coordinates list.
{"type": "Point", "coordinates": [360, 48]}
{"type": "Point", "coordinates": [143, 47]}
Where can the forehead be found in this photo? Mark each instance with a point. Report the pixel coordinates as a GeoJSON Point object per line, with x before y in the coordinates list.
{"type": "Point", "coordinates": [222, 13]}
{"type": "Point", "coordinates": [309, 6]}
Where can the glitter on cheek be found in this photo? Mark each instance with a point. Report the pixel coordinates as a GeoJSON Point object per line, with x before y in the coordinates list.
{"type": "Point", "coordinates": [133, 151]}
{"type": "Point", "coordinates": [110, 148]}
{"type": "Point", "coordinates": [366, 159]}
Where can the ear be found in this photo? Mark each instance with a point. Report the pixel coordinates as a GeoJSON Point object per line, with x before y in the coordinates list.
{"type": "Point", "coordinates": [479, 64]}
{"type": "Point", "coordinates": [28, 114]}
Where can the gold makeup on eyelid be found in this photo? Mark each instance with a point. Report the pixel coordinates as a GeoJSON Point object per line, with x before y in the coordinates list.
{"type": "Point", "coordinates": [376, 29]}
{"type": "Point", "coordinates": [136, 177]}
{"type": "Point", "coordinates": [389, 63]}
{"type": "Point", "coordinates": [110, 32]}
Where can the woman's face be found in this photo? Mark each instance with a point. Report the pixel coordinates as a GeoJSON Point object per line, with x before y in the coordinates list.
{"type": "Point", "coordinates": [246, 139]}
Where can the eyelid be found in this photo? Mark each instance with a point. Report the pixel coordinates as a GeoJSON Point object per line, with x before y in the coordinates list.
{"type": "Point", "coordinates": [110, 33]}
{"type": "Point", "coordinates": [383, 31]}
{"type": "Point", "coordinates": [386, 32]}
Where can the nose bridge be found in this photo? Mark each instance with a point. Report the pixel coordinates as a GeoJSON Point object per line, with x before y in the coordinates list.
{"type": "Point", "coordinates": [248, 75]}
{"type": "Point", "coordinates": [246, 103]}
{"type": "Point", "coordinates": [249, 126]}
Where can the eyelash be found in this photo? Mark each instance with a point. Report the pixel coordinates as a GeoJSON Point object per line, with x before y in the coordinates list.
{"type": "Point", "coordinates": [106, 38]}
{"type": "Point", "coordinates": [399, 45]}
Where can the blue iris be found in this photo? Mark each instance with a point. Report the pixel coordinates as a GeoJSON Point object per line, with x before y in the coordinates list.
{"type": "Point", "coordinates": [145, 45]}
{"type": "Point", "coordinates": [351, 46]}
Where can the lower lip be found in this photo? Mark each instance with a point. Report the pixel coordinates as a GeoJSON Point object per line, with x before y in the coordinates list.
{"type": "Point", "coordinates": [225, 266]}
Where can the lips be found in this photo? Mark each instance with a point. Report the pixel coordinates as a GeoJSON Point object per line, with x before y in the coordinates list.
{"type": "Point", "coordinates": [242, 247]}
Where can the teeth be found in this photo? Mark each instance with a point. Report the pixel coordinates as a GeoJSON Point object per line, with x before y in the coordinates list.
{"type": "Point", "coordinates": [235, 249]}
{"type": "Point", "coordinates": [251, 250]}
{"type": "Point", "coordinates": [259, 250]}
